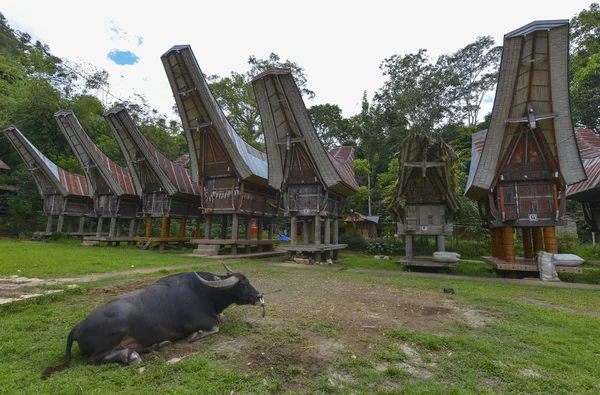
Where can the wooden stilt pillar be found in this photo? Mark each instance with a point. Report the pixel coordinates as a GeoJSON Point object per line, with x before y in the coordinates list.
{"type": "Point", "coordinates": [317, 232]}
{"type": "Point", "coordinates": [69, 225]}
{"type": "Point", "coordinates": [441, 243]}
{"type": "Point", "coordinates": [132, 229]}
{"type": "Point", "coordinates": [509, 244]}
{"type": "Point", "coordinates": [259, 235]}
{"type": "Point", "coordinates": [111, 229]}
{"type": "Point", "coordinates": [208, 226]}
{"type": "Point", "coordinates": [550, 240]}
{"type": "Point", "coordinates": [336, 238]}
{"type": "Point", "coordinates": [305, 231]}
{"type": "Point", "coordinates": [197, 232]}
{"type": "Point", "coordinates": [293, 232]}
{"type": "Point", "coordinates": [224, 221]}
{"type": "Point", "coordinates": [81, 224]}
{"type": "Point", "coordinates": [149, 227]}
{"type": "Point", "coordinates": [164, 231]}
{"type": "Point", "coordinates": [49, 224]}
{"type": "Point", "coordinates": [59, 226]}
{"type": "Point", "coordinates": [500, 243]}
{"type": "Point", "coordinates": [538, 240]}
{"type": "Point", "coordinates": [527, 244]}
{"type": "Point", "coordinates": [99, 226]}
{"type": "Point", "coordinates": [327, 239]}
{"type": "Point", "coordinates": [234, 232]}
{"type": "Point", "coordinates": [248, 233]}
{"type": "Point", "coordinates": [408, 245]}
{"type": "Point", "coordinates": [182, 226]}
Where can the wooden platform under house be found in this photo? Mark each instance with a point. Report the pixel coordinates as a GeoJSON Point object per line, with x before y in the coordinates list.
{"type": "Point", "coordinates": [167, 189]}
{"type": "Point", "coordinates": [111, 186]}
{"type": "Point", "coordinates": [65, 195]}
{"type": "Point", "coordinates": [519, 173]}
{"type": "Point", "coordinates": [588, 192]}
{"type": "Point", "coordinates": [232, 174]}
{"type": "Point", "coordinates": [425, 200]}
{"type": "Point", "coordinates": [314, 183]}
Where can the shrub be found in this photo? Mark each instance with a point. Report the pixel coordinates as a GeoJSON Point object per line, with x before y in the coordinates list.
{"type": "Point", "coordinates": [355, 243]}
{"type": "Point", "coordinates": [567, 241]}
{"type": "Point", "coordinates": [385, 247]}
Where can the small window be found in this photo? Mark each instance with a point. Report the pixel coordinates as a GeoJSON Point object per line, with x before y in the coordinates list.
{"type": "Point", "coordinates": [534, 206]}
{"type": "Point", "coordinates": [430, 219]}
{"type": "Point", "coordinates": [508, 197]}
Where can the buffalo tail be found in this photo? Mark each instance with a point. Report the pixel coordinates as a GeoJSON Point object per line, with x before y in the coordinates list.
{"type": "Point", "coordinates": [62, 366]}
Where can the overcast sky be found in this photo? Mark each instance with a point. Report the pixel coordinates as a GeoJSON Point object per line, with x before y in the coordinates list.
{"type": "Point", "coordinates": [340, 44]}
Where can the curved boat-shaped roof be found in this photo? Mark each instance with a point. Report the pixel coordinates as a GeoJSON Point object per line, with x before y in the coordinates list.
{"type": "Point", "coordinates": [91, 157]}
{"type": "Point", "coordinates": [286, 121]}
{"type": "Point", "coordinates": [200, 112]}
{"type": "Point", "coordinates": [48, 177]}
{"type": "Point", "coordinates": [532, 93]}
{"type": "Point", "coordinates": [173, 178]}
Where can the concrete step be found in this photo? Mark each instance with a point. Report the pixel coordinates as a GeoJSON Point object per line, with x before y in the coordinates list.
{"type": "Point", "coordinates": [206, 250]}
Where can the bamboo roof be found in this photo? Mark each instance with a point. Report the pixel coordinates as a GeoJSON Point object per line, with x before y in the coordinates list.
{"type": "Point", "coordinates": [430, 158]}
{"type": "Point", "coordinates": [49, 178]}
{"type": "Point", "coordinates": [173, 178]}
{"type": "Point", "coordinates": [532, 94]}
{"type": "Point", "coordinates": [589, 147]}
{"type": "Point", "coordinates": [98, 168]}
{"type": "Point", "coordinates": [201, 115]}
{"type": "Point", "coordinates": [285, 123]}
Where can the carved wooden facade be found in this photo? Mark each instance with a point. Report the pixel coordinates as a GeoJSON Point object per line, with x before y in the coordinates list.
{"type": "Point", "coordinates": [65, 195]}
{"type": "Point", "coordinates": [231, 173]}
{"type": "Point", "coordinates": [314, 183]}
{"type": "Point", "coordinates": [530, 154]}
{"type": "Point", "coordinates": [425, 194]}
{"type": "Point", "coordinates": [167, 189]}
{"type": "Point", "coordinates": [588, 192]}
{"type": "Point", "coordinates": [111, 185]}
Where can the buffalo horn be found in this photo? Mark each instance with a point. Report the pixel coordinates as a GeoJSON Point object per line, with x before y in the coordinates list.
{"type": "Point", "coordinates": [229, 272]}
{"type": "Point", "coordinates": [220, 284]}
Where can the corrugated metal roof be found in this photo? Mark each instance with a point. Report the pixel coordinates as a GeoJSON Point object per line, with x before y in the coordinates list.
{"type": "Point", "coordinates": [89, 155]}
{"type": "Point", "coordinates": [183, 160]}
{"type": "Point", "coordinates": [592, 170]}
{"type": "Point", "coordinates": [588, 143]}
{"type": "Point", "coordinates": [477, 142]}
{"type": "Point", "coordinates": [3, 165]}
{"type": "Point", "coordinates": [343, 160]}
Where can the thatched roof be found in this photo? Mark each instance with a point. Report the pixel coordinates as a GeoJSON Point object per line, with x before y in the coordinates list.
{"type": "Point", "coordinates": [427, 158]}
{"type": "Point", "coordinates": [532, 92]}
{"type": "Point", "coordinates": [200, 114]}
{"type": "Point", "coordinates": [173, 178]}
{"type": "Point", "coordinates": [285, 122]}
{"type": "Point", "coordinates": [49, 178]}
{"type": "Point", "coordinates": [94, 162]}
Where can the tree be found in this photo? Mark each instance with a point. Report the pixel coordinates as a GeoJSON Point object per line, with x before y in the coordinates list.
{"type": "Point", "coordinates": [330, 125]}
{"type": "Point", "coordinates": [585, 67]}
{"type": "Point", "coordinates": [473, 72]}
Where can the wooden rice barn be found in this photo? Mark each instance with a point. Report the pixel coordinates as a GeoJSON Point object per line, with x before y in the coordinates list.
{"type": "Point", "coordinates": [588, 192]}
{"type": "Point", "coordinates": [314, 183]}
{"type": "Point", "coordinates": [65, 195]}
{"type": "Point", "coordinates": [167, 189]}
{"type": "Point", "coordinates": [112, 187]}
{"type": "Point", "coordinates": [529, 154]}
{"type": "Point", "coordinates": [231, 173]}
{"type": "Point", "coordinates": [425, 195]}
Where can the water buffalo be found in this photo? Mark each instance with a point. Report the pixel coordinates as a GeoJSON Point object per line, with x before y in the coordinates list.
{"type": "Point", "coordinates": [180, 306]}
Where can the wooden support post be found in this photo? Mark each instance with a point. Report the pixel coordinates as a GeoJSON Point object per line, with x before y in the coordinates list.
{"type": "Point", "coordinates": [441, 243]}
{"type": "Point", "coordinates": [317, 256]}
{"type": "Point", "coordinates": [494, 242]}
{"type": "Point", "coordinates": [234, 232]}
{"type": "Point", "coordinates": [99, 226]}
{"type": "Point", "coordinates": [305, 231]}
{"type": "Point", "coordinates": [336, 238]}
{"type": "Point", "coordinates": [259, 235]}
{"type": "Point", "coordinates": [248, 232]}
{"type": "Point", "coordinates": [408, 245]}
{"type": "Point", "coordinates": [182, 226]}
{"type": "Point", "coordinates": [69, 225]}
{"type": "Point", "coordinates": [81, 224]}
{"type": "Point", "coordinates": [111, 229]}
{"type": "Point", "coordinates": [538, 240]}
{"type": "Point", "coordinates": [59, 226]}
{"type": "Point", "coordinates": [527, 244]}
{"type": "Point", "coordinates": [327, 231]}
{"type": "Point", "coordinates": [208, 218]}
{"type": "Point", "coordinates": [293, 232]}
{"type": "Point", "coordinates": [197, 233]}
{"type": "Point", "coordinates": [148, 226]}
{"type": "Point", "coordinates": [49, 224]}
{"type": "Point", "coordinates": [164, 231]}
{"type": "Point", "coordinates": [224, 221]}
{"type": "Point", "coordinates": [132, 228]}
{"type": "Point", "coordinates": [317, 232]}
{"type": "Point", "coordinates": [509, 244]}
{"type": "Point", "coordinates": [550, 240]}
{"type": "Point", "coordinates": [500, 243]}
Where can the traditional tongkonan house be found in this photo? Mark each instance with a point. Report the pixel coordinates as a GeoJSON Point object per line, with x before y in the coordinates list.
{"type": "Point", "coordinates": [232, 174]}
{"type": "Point", "coordinates": [65, 194]}
{"type": "Point", "coordinates": [530, 153]}
{"type": "Point", "coordinates": [111, 185]}
{"type": "Point", "coordinates": [425, 198]}
{"type": "Point", "coordinates": [588, 192]}
{"type": "Point", "coordinates": [167, 189]}
{"type": "Point", "coordinates": [314, 183]}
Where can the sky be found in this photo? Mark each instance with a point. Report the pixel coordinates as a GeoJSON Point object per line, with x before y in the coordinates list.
{"type": "Point", "coordinates": [339, 44]}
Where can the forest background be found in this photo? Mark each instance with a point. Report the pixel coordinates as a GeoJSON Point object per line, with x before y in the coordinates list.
{"type": "Point", "coordinates": [419, 95]}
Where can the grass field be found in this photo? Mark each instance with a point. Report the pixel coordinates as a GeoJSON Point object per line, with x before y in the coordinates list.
{"type": "Point", "coordinates": [329, 330]}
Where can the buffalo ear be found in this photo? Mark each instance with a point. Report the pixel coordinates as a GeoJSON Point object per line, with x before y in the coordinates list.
{"type": "Point", "coordinates": [229, 272]}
